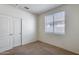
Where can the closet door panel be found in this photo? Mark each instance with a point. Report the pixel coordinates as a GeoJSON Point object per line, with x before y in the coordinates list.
{"type": "Point", "coordinates": [5, 33]}
{"type": "Point", "coordinates": [17, 32]}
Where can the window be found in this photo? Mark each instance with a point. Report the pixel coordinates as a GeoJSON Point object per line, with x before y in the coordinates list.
{"type": "Point", "coordinates": [55, 23]}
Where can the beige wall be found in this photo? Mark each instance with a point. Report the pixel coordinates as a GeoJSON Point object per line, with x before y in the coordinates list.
{"type": "Point", "coordinates": [69, 41]}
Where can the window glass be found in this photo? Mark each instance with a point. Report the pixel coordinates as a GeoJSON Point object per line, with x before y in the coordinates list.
{"type": "Point", "coordinates": [55, 23]}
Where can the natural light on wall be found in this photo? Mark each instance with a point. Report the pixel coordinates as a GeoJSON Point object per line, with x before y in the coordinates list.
{"type": "Point", "coordinates": [55, 23]}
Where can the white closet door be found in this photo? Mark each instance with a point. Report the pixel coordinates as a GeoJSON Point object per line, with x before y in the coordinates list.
{"type": "Point", "coordinates": [10, 32]}
{"type": "Point", "coordinates": [5, 33]}
{"type": "Point", "coordinates": [17, 32]}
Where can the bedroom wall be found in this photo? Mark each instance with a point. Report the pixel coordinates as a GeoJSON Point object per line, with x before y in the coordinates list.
{"type": "Point", "coordinates": [68, 41]}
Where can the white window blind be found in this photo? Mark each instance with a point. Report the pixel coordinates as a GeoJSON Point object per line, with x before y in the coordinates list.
{"type": "Point", "coordinates": [59, 23]}
{"type": "Point", "coordinates": [55, 23]}
{"type": "Point", "coordinates": [49, 23]}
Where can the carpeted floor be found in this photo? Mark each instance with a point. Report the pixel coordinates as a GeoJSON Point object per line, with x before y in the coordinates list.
{"type": "Point", "coordinates": [37, 48]}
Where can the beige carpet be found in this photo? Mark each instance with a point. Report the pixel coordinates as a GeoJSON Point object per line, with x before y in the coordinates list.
{"type": "Point", "coordinates": [37, 48]}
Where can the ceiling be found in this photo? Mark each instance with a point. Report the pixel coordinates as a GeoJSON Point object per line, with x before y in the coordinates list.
{"type": "Point", "coordinates": [36, 8]}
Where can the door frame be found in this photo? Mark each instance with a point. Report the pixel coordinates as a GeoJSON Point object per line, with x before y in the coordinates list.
{"type": "Point", "coordinates": [21, 31]}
